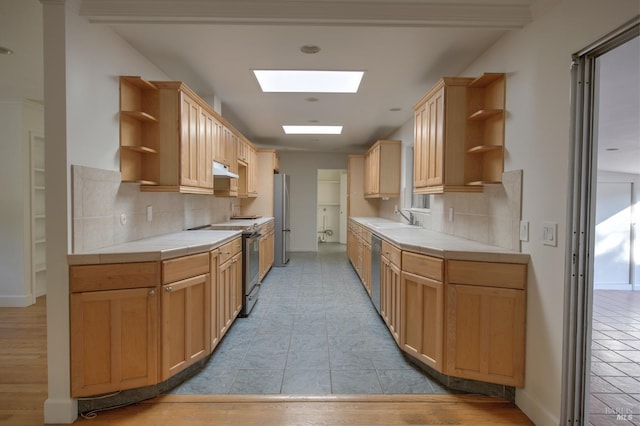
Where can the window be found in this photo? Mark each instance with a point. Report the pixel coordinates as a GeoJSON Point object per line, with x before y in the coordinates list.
{"type": "Point", "coordinates": [411, 200]}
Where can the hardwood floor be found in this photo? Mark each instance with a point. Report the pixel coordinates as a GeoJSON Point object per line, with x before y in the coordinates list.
{"type": "Point", "coordinates": [23, 364]}
{"type": "Point", "coordinates": [23, 390]}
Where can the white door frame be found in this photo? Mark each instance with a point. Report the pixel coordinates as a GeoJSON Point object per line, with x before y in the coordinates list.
{"type": "Point", "coordinates": [576, 359]}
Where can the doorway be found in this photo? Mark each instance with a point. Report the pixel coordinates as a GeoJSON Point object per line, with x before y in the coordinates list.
{"type": "Point", "coordinates": [331, 218]}
{"type": "Point", "coordinates": [602, 331]}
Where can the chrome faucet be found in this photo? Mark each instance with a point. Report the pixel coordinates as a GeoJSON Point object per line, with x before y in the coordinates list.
{"type": "Point", "coordinates": [411, 219]}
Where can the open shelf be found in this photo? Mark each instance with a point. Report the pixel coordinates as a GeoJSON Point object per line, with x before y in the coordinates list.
{"type": "Point", "coordinates": [485, 79]}
{"type": "Point", "coordinates": [139, 109]}
{"type": "Point", "coordinates": [479, 149]}
{"type": "Point", "coordinates": [483, 114]}
{"type": "Point", "coordinates": [482, 182]}
{"type": "Point", "coordinates": [139, 115]}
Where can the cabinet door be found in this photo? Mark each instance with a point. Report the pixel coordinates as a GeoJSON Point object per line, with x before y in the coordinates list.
{"type": "Point", "coordinates": [114, 342]}
{"type": "Point", "coordinates": [420, 148]}
{"type": "Point", "coordinates": [435, 139]}
{"type": "Point", "coordinates": [385, 290]}
{"type": "Point", "coordinates": [236, 282]}
{"type": "Point", "coordinates": [485, 334]}
{"type": "Point", "coordinates": [189, 115]}
{"type": "Point", "coordinates": [394, 301]}
{"type": "Point", "coordinates": [214, 317]}
{"type": "Point", "coordinates": [421, 318]}
{"type": "Point", "coordinates": [224, 283]}
{"type": "Point", "coordinates": [185, 323]}
{"type": "Point", "coordinates": [205, 149]}
{"type": "Point", "coordinates": [219, 145]}
{"type": "Point", "coordinates": [366, 266]}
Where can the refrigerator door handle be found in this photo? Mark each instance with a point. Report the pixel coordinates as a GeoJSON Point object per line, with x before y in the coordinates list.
{"type": "Point", "coordinates": [286, 230]}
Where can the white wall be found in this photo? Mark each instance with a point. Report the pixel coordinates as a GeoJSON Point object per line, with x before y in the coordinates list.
{"type": "Point", "coordinates": [303, 169]}
{"type": "Point", "coordinates": [83, 62]}
{"type": "Point", "coordinates": [537, 60]}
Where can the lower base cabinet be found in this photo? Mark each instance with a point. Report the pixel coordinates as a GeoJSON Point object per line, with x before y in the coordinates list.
{"type": "Point", "coordinates": [114, 343]}
{"type": "Point", "coordinates": [422, 307]}
{"type": "Point", "coordinates": [486, 325]}
{"type": "Point", "coordinates": [136, 324]}
{"type": "Point", "coordinates": [390, 295]}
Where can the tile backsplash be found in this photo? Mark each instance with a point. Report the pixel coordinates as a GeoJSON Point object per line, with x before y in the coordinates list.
{"type": "Point", "coordinates": [490, 217]}
{"type": "Point", "coordinates": [107, 211]}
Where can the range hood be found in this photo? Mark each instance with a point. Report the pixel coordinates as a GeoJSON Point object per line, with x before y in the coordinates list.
{"type": "Point", "coordinates": [222, 171]}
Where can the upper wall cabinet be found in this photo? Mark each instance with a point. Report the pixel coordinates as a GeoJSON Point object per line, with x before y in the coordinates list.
{"type": "Point", "coordinates": [382, 170]}
{"type": "Point", "coordinates": [139, 109]}
{"type": "Point", "coordinates": [484, 161]}
{"type": "Point", "coordinates": [169, 138]}
{"type": "Point", "coordinates": [459, 135]}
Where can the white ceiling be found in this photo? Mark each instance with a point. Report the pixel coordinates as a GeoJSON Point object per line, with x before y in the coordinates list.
{"type": "Point", "coordinates": [404, 47]}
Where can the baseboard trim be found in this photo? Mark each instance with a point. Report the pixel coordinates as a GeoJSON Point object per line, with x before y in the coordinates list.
{"type": "Point", "coordinates": [16, 301]}
{"type": "Point", "coordinates": [60, 411]}
{"type": "Point", "coordinates": [532, 408]}
{"type": "Point", "coordinates": [425, 398]}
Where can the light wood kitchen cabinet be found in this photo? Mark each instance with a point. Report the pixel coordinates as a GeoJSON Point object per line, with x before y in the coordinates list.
{"type": "Point", "coordinates": [186, 310]}
{"type": "Point", "coordinates": [225, 187]}
{"type": "Point", "coordinates": [230, 284]}
{"type": "Point", "coordinates": [365, 250]}
{"type": "Point", "coordinates": [459, 135]}
{"type": "Point", "coordinates": [262, 204]}
{"type": "Point", "coordinates": [185, 141]}
{"type": "Point", "coordinates": [139, 144]}
{"type": "Point", "coordinates": [214, 317]}
{"type": "Point", "coordinates": [486, 314]}
{"type": "Point", "coordinates": [382, 170]}
{"type": "Point", "coordinates": [266, 249]}
{"type": "Point", "coordinates": [357, 204]}
{"type": "Point", "coordinates": [247, 169]}
{"type": "Point", "coordinates": [113, 327]}
{"type": "Point", "coordinates": [422, 304]}
{"type": "Point", "coordinates": [439, 138]}
{"type": "Point", "coordinates": [484, 161]}
{"type": "Point", "coordinates": [390, 273]}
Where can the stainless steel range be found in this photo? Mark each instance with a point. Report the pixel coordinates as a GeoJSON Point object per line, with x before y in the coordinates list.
{"type": "Point", "coordinates": [250, 261]}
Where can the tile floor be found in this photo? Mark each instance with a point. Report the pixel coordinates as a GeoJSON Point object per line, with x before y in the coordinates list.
{"type": "Point", "coordinates": [615, 358]}
{"type": "Point", "coordinates": [313, 331]}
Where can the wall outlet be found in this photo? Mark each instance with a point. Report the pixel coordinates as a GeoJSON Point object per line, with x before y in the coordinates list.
{"type": "Point", "coordinates": [123, 219]}
{"type": "Point", "coordinates": [550, 234]}
{"type": "Point", "coordinates": [524, 230]}
{"type": "Point", "coordinates": [149, 213]}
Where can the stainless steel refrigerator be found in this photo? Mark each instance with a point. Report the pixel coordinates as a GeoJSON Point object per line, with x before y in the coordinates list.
{"type": "Point", "coordinates": [281, 213]}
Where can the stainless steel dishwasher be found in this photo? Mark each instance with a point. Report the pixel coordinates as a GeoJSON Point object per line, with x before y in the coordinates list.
{"type": "Point", "coordinates": [376, 244]}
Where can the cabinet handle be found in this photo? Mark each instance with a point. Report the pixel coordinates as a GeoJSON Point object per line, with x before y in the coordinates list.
{"type": "Point", "coordinates": [169, 289]}
{"type": "Point", "coordinates": [152, 292]}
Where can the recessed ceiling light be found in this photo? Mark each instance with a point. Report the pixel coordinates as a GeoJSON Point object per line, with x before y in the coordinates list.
{"type": "Point", "coordinates": [310, 81]}
{"type": "Point", "coordinates": [395, 109]}
{"type": "Point", "coordinates": [313, 121]}
{"type": "Point", "coordinates": [312, 99]}
{"type": "Point", "coordinates": [312, 130]}
{"type": "Point", "coordinates": [5, 51]}
{"type": "Point", "coordinates": [612, 149]}
{"type": "Point", "coordinates": [310, 49]}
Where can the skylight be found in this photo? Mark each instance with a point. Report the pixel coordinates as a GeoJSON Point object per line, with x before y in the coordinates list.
{"type": "Point", "coordinates": [293, 81]}
{"type": "Point", "coordinates": [312, 130]}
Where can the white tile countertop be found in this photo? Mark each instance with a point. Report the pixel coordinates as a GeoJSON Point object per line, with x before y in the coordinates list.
{"type": "Point", "coordinates": [438, 244]}
{"type": "Point", "coordinates": [156, 248]}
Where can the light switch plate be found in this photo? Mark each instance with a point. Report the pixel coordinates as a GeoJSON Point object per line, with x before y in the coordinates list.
{"type": "Point", "coordinates": [149, 213]}
{"type": "Point", "coordinates": [550, 234]}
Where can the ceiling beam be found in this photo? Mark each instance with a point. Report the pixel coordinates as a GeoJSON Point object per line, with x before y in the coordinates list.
{"type": "Point", "coordinates": [502, 14]}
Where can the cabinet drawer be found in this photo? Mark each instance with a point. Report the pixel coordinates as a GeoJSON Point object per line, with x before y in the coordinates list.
{"type": "Point", "coordinates": [184, 267]}
{"type": "Point", "coordinates": [228, 250]}
{"type": "Point", "coordinates": [268, 228]}
{"type": "Point", "coordinates": [113, 276]}
{"type": "Point", "coordinates": [488, 274]}
{"type": "Point", "coordinates": [366, 236]}
{"type": "Point", "coordinates": [423, 265]}
{"type": "Point", "coordinates": [392, 253]}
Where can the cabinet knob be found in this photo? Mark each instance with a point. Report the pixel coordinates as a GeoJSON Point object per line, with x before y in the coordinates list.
{"type": "Point", "coordinates": [152, 292]}
{"type": "Point", "coordinates": [169, 289]}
